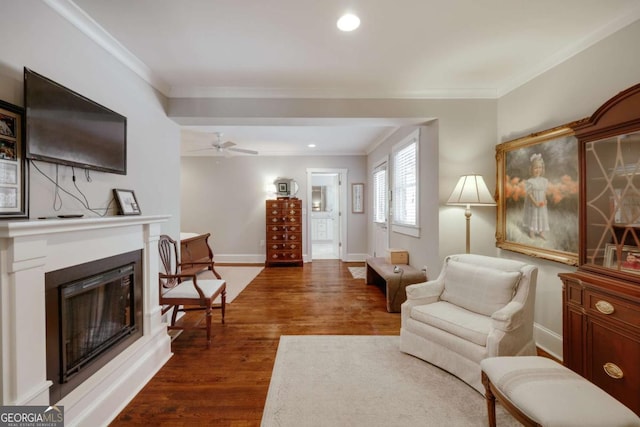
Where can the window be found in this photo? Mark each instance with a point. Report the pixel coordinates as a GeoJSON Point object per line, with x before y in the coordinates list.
{"type": "Point", "coordinates": [405, 186]}
{"type": "Point", "coordinates": [380, 194]}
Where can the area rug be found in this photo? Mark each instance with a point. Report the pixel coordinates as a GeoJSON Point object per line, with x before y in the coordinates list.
{"type": "Point", "coordinates": [358, 272]}
{"type": "Point", "coordinates": [237, 279]}
{"type": "Point", "coordinates": [366, 381]}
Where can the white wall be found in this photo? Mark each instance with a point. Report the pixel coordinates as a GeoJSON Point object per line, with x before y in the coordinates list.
{"type": "Point", "coordinates": [225, 196]}
{"type": "Point", "coordinates": [570, 91]}
{"type": "Point", "coordinates": [39, 38]}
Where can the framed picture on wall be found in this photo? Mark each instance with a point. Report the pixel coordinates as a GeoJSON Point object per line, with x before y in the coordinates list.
{"type": "Point", "coordinates": [357, 198]}
{"type": "Point", "coordinates": [537, 179]}
{"type": "Point", "coordinates": [13, 177]}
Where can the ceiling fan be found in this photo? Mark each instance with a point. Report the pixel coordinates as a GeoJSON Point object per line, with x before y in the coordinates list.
{"type": "Point", "coordinates": [225, 147]}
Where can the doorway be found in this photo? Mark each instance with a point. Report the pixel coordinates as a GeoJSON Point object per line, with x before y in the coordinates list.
{"type": "Point", "coordinates": [326, 225]}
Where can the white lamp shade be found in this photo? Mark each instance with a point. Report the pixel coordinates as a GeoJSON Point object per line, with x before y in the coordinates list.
{"type": "Point", "coordinates": [471, 191]}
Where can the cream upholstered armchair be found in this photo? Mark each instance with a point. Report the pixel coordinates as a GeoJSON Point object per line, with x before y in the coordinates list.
{"type": "Point", "coordinates": [478, 307]}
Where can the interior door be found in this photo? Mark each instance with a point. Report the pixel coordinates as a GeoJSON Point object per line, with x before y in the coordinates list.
{"type": "Point", "coordinates": [380, 209]}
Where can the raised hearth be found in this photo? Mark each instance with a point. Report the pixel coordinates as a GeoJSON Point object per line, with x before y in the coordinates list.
{"type": "Point", "coordinates": [31, 249]}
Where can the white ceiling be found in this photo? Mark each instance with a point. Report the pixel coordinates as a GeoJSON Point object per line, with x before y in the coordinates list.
{"type": "Point", "coordinates": [292, 48]}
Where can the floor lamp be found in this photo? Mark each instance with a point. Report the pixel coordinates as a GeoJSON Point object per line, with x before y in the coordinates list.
{"type": "Point", "coordinates": [470, 191]}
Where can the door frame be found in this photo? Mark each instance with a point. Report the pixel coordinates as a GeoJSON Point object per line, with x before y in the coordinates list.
{"type": "Point", "coordinates": [342, 213]}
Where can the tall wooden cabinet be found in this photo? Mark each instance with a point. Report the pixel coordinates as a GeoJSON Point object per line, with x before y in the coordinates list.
{"type": "Point", "coordinates": [284, 232]}
{"type": "Point", "coordinates": [601, 301]}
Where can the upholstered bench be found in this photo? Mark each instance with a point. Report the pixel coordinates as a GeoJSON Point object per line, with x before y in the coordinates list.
{"type": "Point", "coordinates": [393, 282]}
{"type": "Point", "coordinates": [538, 391]}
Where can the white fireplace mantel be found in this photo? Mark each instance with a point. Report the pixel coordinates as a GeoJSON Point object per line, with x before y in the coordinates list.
{"type": "Point", "coordinates": [28, 250]}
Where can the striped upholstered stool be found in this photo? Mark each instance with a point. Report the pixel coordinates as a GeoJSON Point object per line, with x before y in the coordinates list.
{"type": "Point", "coordinates": [538, 391]}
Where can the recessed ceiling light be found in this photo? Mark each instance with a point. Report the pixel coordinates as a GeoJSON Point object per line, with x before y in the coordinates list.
{"type": "Point", "coordinates": [348, 22]}
{"type": "Point", "coordinates": [311, 145]}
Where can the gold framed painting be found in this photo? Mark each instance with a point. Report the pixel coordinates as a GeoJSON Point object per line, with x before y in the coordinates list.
{"type": "Point", "coordinates": [13, 176]}
{"type": "Point", "coordinates": [537, 180]}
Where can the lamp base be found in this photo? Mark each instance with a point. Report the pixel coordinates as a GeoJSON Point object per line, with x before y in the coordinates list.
{"type": "Point", "coordinates": [467, 214]}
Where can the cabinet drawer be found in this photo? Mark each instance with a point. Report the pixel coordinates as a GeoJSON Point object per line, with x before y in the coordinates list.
{"type": "Point", "coordinates": [613, 308]}
{"type": "Point", "coordinates": [286, 246]}
{"type": "Point", "coordinates": [285, 256]}
{"type": "Point", "coordinates": [276, 237]}
{"type": "Point", "coordinates": [295, 237]}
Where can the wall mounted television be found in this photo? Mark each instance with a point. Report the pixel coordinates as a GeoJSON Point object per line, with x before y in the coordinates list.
{"type": "Point", "coordinates": [64, 127]}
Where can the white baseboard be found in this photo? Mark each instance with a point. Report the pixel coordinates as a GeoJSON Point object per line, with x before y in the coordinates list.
{"type": "Point", "coordinates": [548, 340]}
{"type": "Point", "coordinates": [356, 257]}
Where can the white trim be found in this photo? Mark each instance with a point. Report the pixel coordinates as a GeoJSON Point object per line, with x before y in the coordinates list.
{"type": "Point", "coordinates": [344, 211]}
{"type": "Point", "coordinates": [404, 229]}
{"type": "Point", "coordinates": [548, 340]}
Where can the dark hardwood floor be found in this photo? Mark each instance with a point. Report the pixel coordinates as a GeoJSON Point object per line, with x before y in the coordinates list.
{"type": "Point", "coordinates": [227, 384]}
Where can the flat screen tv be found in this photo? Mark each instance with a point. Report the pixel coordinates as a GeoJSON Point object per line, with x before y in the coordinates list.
{"type": "Point", "coordinates": [64, 127]}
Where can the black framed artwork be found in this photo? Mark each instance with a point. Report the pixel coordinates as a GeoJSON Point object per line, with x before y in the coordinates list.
{"type": "Point", "coordinates": [13, 176]}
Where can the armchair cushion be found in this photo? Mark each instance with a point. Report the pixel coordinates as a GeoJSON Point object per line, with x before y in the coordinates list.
{"type": "Point", "coordinates": [479, 289]}
{"type": "Point", "coordinates": [186, 289]}
{"type": "Point", "coordinates": [463, 323]}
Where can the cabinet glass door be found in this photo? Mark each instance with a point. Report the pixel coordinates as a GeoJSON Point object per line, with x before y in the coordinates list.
{"type": "Point", "coordinates": [612, 205]}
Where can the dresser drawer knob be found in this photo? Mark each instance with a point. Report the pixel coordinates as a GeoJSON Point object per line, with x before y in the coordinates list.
{"type": "Point", "coordinates": [613, 370]}
{"type": "Point", "coordinates": [605, 307]}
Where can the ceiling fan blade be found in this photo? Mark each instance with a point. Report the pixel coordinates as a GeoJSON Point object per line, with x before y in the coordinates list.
{"type": "Point", "coordinates": [228, 144]}
{"type": "Point", "coordinates": [200, 149]}
{"type": "Point", "coordinates": [243, 150]}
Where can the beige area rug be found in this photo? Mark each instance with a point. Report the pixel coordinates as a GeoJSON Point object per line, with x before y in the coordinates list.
{"type": "Point", "coordinates": [358, 272]}
{"type": "Point", "coordinates": [237, 279]}
{"type": "Point", "coordinates": [366, 381]}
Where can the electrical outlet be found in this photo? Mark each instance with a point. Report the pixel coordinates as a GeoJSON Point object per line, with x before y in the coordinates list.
{"type": "Point", "coordinates": [261, 243]}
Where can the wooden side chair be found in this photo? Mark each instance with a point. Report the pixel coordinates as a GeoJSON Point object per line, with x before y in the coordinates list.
{"type": "Point", "coordinates": [184, 291]}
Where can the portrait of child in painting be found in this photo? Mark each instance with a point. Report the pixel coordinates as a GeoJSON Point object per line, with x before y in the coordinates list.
{"type": "Point", "coordinates": [541, 195]}
{"type": "Point", "coordinates": [536, 214]}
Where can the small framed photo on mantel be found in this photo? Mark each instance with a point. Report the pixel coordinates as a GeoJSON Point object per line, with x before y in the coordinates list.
{"type": "Point", "coordinates": [127, 202]}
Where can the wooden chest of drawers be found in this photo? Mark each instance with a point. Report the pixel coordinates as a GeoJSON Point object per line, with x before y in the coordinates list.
{"type": "Point", "coordinates": [601, 339]}
{"type": "Point", "coordinates": [284, 232]}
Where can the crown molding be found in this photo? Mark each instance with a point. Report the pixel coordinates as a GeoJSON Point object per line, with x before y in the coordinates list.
{"type": "Point", "coordinates": [565, 54]}
{"type": "Point", "coordinates": [327, 93]}
{"type": "Point", "coordinates": [79, 18]}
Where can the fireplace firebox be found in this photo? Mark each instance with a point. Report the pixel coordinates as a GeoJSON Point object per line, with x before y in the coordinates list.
{"type": "Point", "coordinates": [94, 312]}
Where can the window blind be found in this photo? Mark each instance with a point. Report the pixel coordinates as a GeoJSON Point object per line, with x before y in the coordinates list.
{"type": "Point", "coordinates": [405, 185]}
{"type": "Point", "coordinates": [380, 194]}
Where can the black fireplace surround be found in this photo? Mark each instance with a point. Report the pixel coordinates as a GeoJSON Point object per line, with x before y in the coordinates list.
{"type": "Point", "coordinates": [93, 312]}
